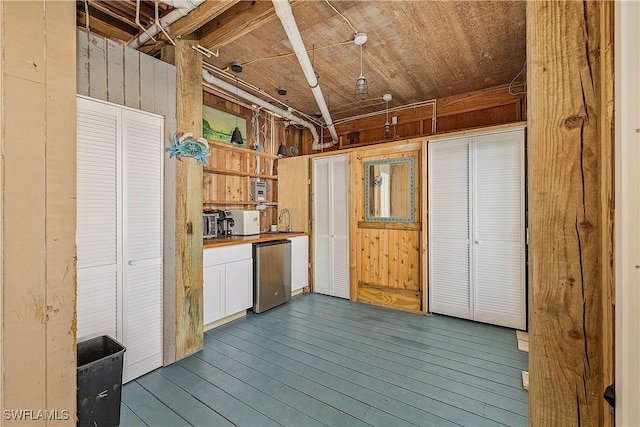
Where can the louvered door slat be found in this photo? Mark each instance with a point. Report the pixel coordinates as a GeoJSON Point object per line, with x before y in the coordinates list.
{"type": "Point", "coordinates": [449, 228]}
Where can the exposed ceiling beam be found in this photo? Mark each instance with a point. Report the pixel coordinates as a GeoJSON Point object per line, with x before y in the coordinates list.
{"type": "Point", "coordinates": [200, 16]}
{"type": "Point", "coordinates": [102, 7]}
{"type": "Point", "coordinates": [101, 27]}
{"type": "Point", "coordinates": [237, 22]}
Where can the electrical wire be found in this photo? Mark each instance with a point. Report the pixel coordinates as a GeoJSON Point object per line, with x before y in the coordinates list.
{"type": "Point", "coordinates": [284, 55]}
{"type": "Point", "coordinates": [343, 17]}
{"type": "Point", "coordinates": [86, 13]}
{"type": "Point", "coordinates": [524, 67]}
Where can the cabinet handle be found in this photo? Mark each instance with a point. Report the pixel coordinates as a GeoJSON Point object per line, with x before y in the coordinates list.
{"type": "Point", "coordinates": [478, 242]}
{"type": "Point", "coordinates": [132, 263]}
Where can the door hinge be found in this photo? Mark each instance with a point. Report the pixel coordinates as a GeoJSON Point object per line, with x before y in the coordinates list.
{"type": "Point", "coordinates": [527, 236]}
{"type": "Point", "coordinates": [610, 395]}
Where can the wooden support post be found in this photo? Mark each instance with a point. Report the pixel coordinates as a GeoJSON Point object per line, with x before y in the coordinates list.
{"type": "Point", "coordinates": [568, 173]}
{"type": "Point", "coordinates": [189, 336]}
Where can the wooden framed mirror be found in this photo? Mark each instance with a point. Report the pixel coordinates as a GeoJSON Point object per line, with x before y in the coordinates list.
{"type": "Point", "coordinates": [389, 189]}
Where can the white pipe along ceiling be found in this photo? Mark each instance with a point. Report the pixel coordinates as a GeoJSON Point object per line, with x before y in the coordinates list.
{"type": "Point", "coordinates": [182, 8]}
{"type": "Point", "coordinates": [228, 87]}
{"type": "Point", "coordinates": [284, 12]}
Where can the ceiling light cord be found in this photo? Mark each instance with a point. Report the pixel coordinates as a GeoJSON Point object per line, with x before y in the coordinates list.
{"type": "Point", "coordinates": [343, 17]}
{"type": "Point", "coordinates": [524, 67]}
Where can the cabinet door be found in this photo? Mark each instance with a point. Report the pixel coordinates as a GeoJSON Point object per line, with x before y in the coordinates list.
{"type": "Point", "coordinates": [213, 293]}
{"type": "Point", "coordinates": [142, 151]}
{"type": "Point", "coordinates": [299, 262]}
{"type": "Point", "coordinates": [238, 286]}
{"type": "Point", "coordinates": [498, 254]}
{"type": "Point", "coordinates": [449, 228]}
{"type": "Point", "coordinates": [321, 227]}
{"type": "Point", "coordinates": [339, 249]}
{"type": "Point", "coordinates": [97, 215]}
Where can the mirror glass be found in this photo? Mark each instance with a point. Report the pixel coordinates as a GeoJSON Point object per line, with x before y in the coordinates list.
{"type": "Point", "coordinates": [389, 188]}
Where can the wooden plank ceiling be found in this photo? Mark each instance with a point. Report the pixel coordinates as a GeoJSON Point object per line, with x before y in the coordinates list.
{"type": "Point", "coordinates": [416, 50]}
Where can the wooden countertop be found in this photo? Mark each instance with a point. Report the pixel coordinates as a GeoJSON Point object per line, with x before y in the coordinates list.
{"type": "Point", "coordinates": [238, 240]}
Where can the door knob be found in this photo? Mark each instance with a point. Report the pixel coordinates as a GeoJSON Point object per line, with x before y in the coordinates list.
{"type": "Point", "coordinates": [478, 242]}
{"type": "Point", "coordinates": [132, 263]}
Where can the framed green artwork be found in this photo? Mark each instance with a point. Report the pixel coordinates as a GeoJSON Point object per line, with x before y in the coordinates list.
{"type": "Point", "coordinates": [218, 125]}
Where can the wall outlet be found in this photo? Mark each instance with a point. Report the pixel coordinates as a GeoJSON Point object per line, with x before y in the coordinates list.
{"type": "Point", "coordinates": [394, 120]}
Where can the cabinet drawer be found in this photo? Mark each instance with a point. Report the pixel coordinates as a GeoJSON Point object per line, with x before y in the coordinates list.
{"type": "Point", "coordinates": [226, 254]}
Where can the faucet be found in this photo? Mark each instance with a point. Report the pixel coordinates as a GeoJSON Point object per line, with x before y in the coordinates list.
{"type": "Point", "coordinates": [282, 212]}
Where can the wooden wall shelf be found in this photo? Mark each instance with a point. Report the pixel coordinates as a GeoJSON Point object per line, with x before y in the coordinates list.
{"type": "Point", "coordinates": [239, 173]}
{"type": "Point", "coordinates": [236, 149]}
{"type": "Point", "coordinates": [237, 203]}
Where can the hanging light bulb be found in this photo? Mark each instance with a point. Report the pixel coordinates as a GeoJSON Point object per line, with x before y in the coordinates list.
{"type": "Point", "coordinates": [387, 126]}
{"type": "Point", "coordinates": [361, 91]}
{"type": "Point", "coordinates": [236, 136]}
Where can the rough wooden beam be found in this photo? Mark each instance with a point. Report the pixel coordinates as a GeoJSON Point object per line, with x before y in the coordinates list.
{"type": "Point", "coordinates": [189, 298]}
{"type": "Point", "coordinates": [607, 198]}
{"type": "Point", "coordinates": [236, 22]}
{"type": "Point", "coordinates": [100, 27]}
{"type": "Point", "coordinates": [200, 16]}
{"type": "Point", "coordinates": [565, 214]}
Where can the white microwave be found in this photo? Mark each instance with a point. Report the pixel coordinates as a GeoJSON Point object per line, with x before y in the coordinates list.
{"type": "Point", "coordinates": [245, 223]}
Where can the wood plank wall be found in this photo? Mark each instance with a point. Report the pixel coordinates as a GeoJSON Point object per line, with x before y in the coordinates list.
{"type": "Point", "coordinates": [229, 187]}
{"type": "Point", "coordinates": [569, 199]}
{"type": "Point", "coordinates": [38, 144]}
{"type": "Point", "coordinates": [386, 258]}
{"type": "Point", "coordinates": [481, 108]}
{"type": "Point", "coordinates": [108, 71]}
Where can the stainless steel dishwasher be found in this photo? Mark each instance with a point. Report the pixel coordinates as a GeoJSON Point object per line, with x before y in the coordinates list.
{"type": "Point", "coordinates": [271, 274]}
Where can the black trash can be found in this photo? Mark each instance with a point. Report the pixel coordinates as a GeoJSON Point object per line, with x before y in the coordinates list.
{"type": "Point", "coordinates": [99, 382]}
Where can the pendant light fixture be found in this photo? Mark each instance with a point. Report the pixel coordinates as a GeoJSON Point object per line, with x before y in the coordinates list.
{"type": "Point", "coordinates": [282, 150]}
{"type": "Point", "coordinates": [236, 136]}
{"type": "Point", "coordinates": [361, 91]}
{"type": "Point", "coordinates": [387, 127]}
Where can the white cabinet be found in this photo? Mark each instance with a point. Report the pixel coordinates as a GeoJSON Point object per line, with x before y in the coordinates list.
{"type": "Point", "coordinates": [299, 262]}
{"type": "Point", "coordinates": [477, 228]}
{"type": "Point", "coordinates": [228, 281]}
{"type": "Point", "coordinates": [119, 231]}
{"type": "Point", "coordinates": [213, 293]}
{"type": "Point", "coordinates": [331, 226]}
{"type": "Point", "coordinates": [238, 286]}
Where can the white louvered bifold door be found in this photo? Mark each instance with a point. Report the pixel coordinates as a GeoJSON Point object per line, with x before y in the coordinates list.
{"type": "Point", "coordinates": [449, 228]}
{"type": "Point", "coordinates": [321, 227]}
{"type": "Point", "coordinates": [97, 216]}
{"type": "Point", "coordinates": [498, 244]}
{"type": "Point", "coordinates": [142, 226]}
{"type": "Point", "coordinates": [339, 208]}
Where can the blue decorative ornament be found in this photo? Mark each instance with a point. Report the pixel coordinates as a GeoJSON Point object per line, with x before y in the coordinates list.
{"type": "Point", "coordinates": [187, 146]}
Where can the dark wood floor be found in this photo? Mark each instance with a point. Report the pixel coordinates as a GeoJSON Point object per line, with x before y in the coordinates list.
{"type": "Point", "coordinates": [320, 360]}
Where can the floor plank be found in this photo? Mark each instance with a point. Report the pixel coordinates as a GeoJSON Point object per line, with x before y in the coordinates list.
{"type": "Point", "coordinates": [321, 360]}
{"type": "Point", "coordinates": [360, 340]}
{"type": "Point", "coordinates": [392, 370]}
{"type": "Point", "coordinates": [377, 380]}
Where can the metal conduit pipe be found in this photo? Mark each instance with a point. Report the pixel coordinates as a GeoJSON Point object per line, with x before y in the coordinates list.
{"type": "Point", "coordinates": [228, 87]}
{"type": "Point", "coordinates": [182, 8]}
{"type": "Point", "coordinates": [284, 12]}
